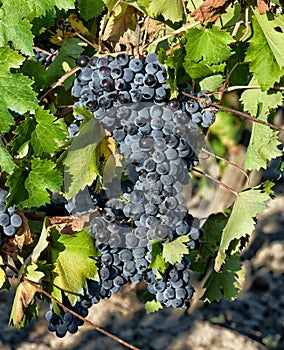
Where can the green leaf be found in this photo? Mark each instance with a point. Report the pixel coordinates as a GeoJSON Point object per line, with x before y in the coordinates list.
{"type": "Point", "coordinates": [70, 50]}
{"type": "Point", "coordinates": [209, 44]}
{"type": "Point", "coordinates": [157, 260]}
{"type": "Point", "coordinates": [90, 10]}
{"type": "Point", "coordinates": [225, 283]}
{"type": "Point", "coordinates": [170, 9]}
{"type": "Point", "coordinates": [264, 141]}
{"type": "Point", "coordinates": [241, 222]}
{"type": "Point", "coordinates": [23, 134]}
{"type": "Point", "coordinates": [6, 161]}
{"type": "Point", "coordinates": [15, 23]}
{"type": "Point", "coordinates": [41, 179]}
{"type": "Point", "coordinates": [16, 92]}
{"type": "Point", "coordinates": [211, 238]}
{"type": "Point", "coordinates": [173, 251]}
{"type": "Point", "coordinates": [262, 147]}
{"type": "Point", "coordinates": [152, 306]}
{"type": "Point", "coordinates": [49, 133]}
{"type": "Point", "coordinates": [211, 83]}
{"type": "Point", "coordinates": [267, 66]}
{"type": "Point", "coordinates": [37, 72]}
{"type": "Point", "coordinates": [71, 258]}
{"type": "Point", "coordinates": [81, 165]}
{"type": "Point", "coordinates": [16, 183]}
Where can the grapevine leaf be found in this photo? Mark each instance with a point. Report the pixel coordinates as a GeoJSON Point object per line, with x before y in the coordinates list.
{"type": "Point", "coordinates": [267, 67]}
{"type": "Point", "coordinates": [23, 299]}
{"type": "Point", "coordinates": [70, 50]}
{"type": "Point", "coordinates": [209, 44]}
{"type": "Point", "coordinates": [122, 18]}
{"type": "Point", "coordinates": [16, 92]}
{"type": "Point", "coordinates": [88, 10]}
{"type": "Point", "coordinates": [170, 9]}
{"type": "Point", "coordinates": [241, 222]}
{"type": "Point", "coordinates": [6, 161]}
{"type": "Point", "coordinates": [212, 229]}
{"type": "Point", "coordinates": [32, 274]}
{"type": "Point", "coordinates": [23, 134]}
{"type": "Point", "coordinates": [225, 283]}
{"type": "Point", "coordinates": [15, 23]}
{"type": "Point", "coordinates": [16, 183]}
{"type": "Point", "coordinates": [173, 251]}
{"type": "Point", "coordinates": [37, 72]}
{"type": "Point", "coordinates": [157, 260]}
{"type": "Point", "coordinates": [71, 257]}
{"type": "Point", "coordinates": [49, 134]}
{"type": "Point", "coordinates": [83, 152]}
{"type": "Point", "coordinates": [262, 146]}
{"type": "Point", "coordinates": [263, 143]}
{"type": "Point", "coordinates": [211, 83]}
{"type": "Point", "coordinates": [41, 244]}
{"type": "Point", "coordinates": [41, 179]}
{"type": "Point", "coordinates": [152, 306]}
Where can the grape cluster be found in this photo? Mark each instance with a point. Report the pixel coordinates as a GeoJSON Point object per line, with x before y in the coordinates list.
{"type": "Point", "coordinates": [10, 221]}
{"type": "Point", "coordinates": [157, 140]}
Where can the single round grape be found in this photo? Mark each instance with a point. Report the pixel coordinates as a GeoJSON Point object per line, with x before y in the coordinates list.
{"type": "Point", "coordinates": [16, 220]}
{"type": "Point", "coordinates": [4, 219]}
{"type": "Point", "coordinates": [136, 65]}
{"type": "Point", "coordinates": [122, 59]}
{"type": "Point", "coordinates": [82, 61]}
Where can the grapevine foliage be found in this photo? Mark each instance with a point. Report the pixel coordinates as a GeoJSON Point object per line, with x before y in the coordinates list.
{"type": "Point", "coordinates": [70, 72]}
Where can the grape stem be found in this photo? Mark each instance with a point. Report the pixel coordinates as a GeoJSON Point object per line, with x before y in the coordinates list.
{"type": "Point", "coordinates": [217, 181]}
{"type": "Point", "coordinates": [235, 112]}
{"type": "Point", "coordinates": [228, 162]}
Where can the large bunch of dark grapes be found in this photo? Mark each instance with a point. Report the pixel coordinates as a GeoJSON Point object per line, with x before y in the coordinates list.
{"type": "Point", "coordinates": [157, 139]}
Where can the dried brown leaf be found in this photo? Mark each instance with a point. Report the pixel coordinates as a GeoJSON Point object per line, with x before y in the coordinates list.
{"type": "Point", "coordinates": [210, 10]}
{"type": "Point", "coordinates": [122, 19]}
{"type": "Point", "coordinates": [263, 6]}
{"type": "Point", "coordinates": [71, 224]}
{"type": "Point", "coordinates": [24, 297]}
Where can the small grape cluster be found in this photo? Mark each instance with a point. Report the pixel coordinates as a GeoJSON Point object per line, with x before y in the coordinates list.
{"type": "Point", "coordinates": [10, 221]}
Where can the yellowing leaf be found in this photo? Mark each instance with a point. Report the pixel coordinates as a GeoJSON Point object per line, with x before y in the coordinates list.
{"type": "Point", "coordinates": [152, 306]}
{"type": "Point", "coordinates": [81, 166]}
{"type": "Point", "coordinates": [241, 222]}
{"type": "Point", "coordinates": [122, 18]}
{"type": "Point", "coordinates": [23, 299]}
{"type": "Point", "coordinates": [173, 251]}
{"type": "Point", "coordinates": [170, 9]}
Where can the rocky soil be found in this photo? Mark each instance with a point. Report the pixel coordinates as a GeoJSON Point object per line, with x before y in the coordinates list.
{"type": "Point", "coordinates": [255, 321]}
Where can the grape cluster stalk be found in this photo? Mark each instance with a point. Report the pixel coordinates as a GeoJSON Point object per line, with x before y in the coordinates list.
{"type": "Point", "coordinates": [157, 139]}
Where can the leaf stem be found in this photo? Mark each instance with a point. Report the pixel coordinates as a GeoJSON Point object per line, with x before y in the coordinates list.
{"type": "Point", "coordinates": [97, 328]}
